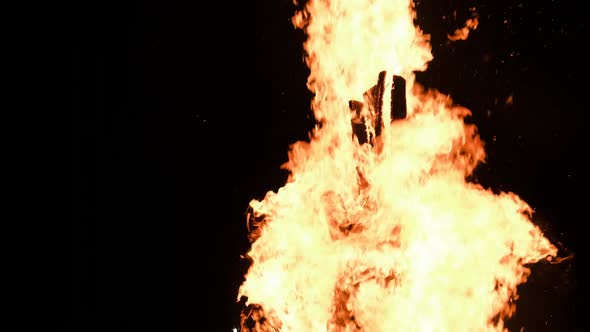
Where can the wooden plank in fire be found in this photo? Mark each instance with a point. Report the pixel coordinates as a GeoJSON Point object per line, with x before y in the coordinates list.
{"type": "Point", "coordinates": [373, 99]}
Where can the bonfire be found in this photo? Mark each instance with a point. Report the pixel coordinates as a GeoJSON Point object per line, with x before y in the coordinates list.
{"type": "Point", "coordinates": [377, 227]}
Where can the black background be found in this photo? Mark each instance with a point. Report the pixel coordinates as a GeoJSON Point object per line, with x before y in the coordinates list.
{"type": "Point", "coordinates": [182, 112]}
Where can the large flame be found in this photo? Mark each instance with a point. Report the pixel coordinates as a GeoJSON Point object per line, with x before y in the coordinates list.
{"type": "Point", "coordinates": [387, 237]}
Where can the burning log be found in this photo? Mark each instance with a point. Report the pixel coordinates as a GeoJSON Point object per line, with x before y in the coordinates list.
{"type": "Point", "coordinates": [399, 108]}
{"type": "Point", "coordinates": [373, 115]}
{"type": "Point", "coordinates": [344, 224]}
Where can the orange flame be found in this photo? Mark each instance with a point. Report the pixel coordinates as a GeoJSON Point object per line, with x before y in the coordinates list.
{"type": "Point", "coordinates": [462, 33]}
{"type": "Point", "coordinates": [367, 239]}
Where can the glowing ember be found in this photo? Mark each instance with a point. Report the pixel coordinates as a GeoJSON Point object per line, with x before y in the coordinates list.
{"type": "Point", "coordinates": [375, 237]}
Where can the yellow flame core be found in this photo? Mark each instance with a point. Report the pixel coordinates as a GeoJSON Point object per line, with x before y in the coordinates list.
{"type": "Point", "coordinates": [395, 240]}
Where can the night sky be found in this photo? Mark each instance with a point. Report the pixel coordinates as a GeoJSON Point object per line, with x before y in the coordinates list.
{"type": "Point", "coordinates": [183, 112]}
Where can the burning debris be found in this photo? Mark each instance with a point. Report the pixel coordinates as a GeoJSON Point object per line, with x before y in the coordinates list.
{"type": "Point", "coordinates": [373, 99]}
{"type": "Point", "coordinates": [383, 230]}
{"type": "Point", "coordinates": [254, 319]}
